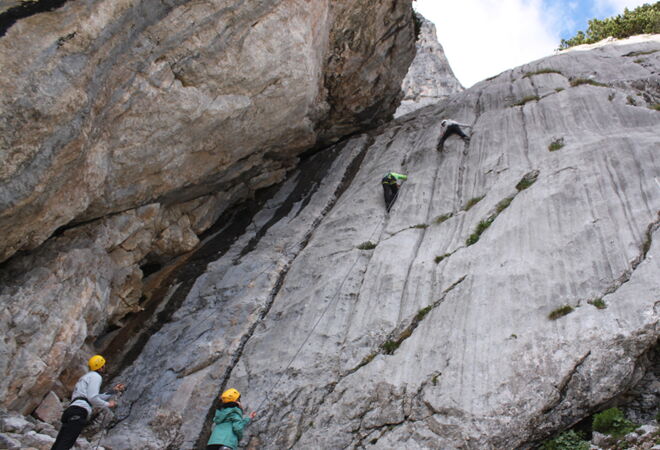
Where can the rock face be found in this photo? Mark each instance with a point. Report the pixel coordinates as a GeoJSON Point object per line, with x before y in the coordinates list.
{"type": "Point", "coordinates": [18, 433]}
{"type": "Point", "coordinates": [512, 290]}
{"type": "Point", "coordinates": [58, 299]}
{"type": "Point", "coordinates": [344, 326]}
{"type": "Point", "coordinates": [50, 409]}
{"type": "Point", "coordinates": [430, 78]}
{"type": "Point", "coordinates": [120, 103]}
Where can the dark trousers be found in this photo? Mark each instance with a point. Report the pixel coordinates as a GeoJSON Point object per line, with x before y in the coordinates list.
{"type": "Point", "coordinates": [218, 447]}
{"type": "Point", "coordinates": [451, 129]}
{"type": "Point", "coordinates": [390, 191]}
{"type": "Point", "coordinates": [74, 420]}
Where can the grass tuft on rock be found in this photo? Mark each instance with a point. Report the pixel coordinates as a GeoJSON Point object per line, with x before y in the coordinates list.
{"type": "Point", "coordinates": [439, 258]}
{"type": "Point", "coordinates": [481, 227]}
{"type": "Point", "coordinates": [420, 226]}
{"type": "Point", "coordinates": [599, 303]}
{"type": "Point", "coordinates": [541, 71]}
{"type": "Point", "coordinates": [631, 100]}
{"type": "Point", "coordinates": [558, 90]}
{"type": "Point", "coordinates": [655, 107]}
{"type": "Point", "coordinates": [423, 312]}
{"type": "Point", "coordinates": [556, 144]}
{"type": "Point", "coordinates": [442, 218]}
{"type": "Point", "coordinates": [485, 223]}
{"type": "Point", "coordinates": [527, 180]}
{"type": "Point", "coordinates": [560, 312]}
{"type": "Point", "coordinates": [504, 204]}
{"type": "Point", "coordinates": [527, 99]}
{"type": "Point", "coordinates": [389, 347]}
{"type": "Point", "coordinates": [367, 246]}
{"type": "Point", "coordinates": [473, 201]}
{"type": "Point", "coordinates": [578, 81]}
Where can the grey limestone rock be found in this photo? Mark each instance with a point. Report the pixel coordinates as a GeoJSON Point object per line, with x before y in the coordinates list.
{"type": "Point", "coordinates": [646, 429]}
{"type": "Point", "coordinates": [37, 440]}
{"type": "Point", "coordinates": [50, 409]}
{"type": "Point", "coordinates": [109, 105]}
{"type": "Point", "coordinates": [9, 442]}
{"type": "Point", "coordinates": [15, 424]}
{"type": "Point", "coordinates": [600, 439]}
{"type": "Point", "coordinates": [442, 335]}
{"type": "Point", "coordinates": [439, 336]}
{"type": "Point", "coordinates": [59, 298]}
{"type": "Point", "coordinates": [430, 78]}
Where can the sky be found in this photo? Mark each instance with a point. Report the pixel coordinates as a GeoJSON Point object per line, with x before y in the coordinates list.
{"type": "Point", "coordinates": [482, 38]}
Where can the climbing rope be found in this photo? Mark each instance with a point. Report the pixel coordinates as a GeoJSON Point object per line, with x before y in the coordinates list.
{"type": "Point", "coordinates": [105, 422]}
{"type": "Point", "coordinates": [103, 432]}
{"type": "Point", "coordinates": [327, 307]}
{"type": "Point", "coordinates": [325, 310]}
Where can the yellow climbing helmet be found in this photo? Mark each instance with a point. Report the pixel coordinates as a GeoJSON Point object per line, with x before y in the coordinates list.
{"type": "Point", "coordinates": [230, 395]}
{"type": "Point", "coordinates": [96, 362]}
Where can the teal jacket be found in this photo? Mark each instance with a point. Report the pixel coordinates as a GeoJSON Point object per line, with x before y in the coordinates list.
{"type": "Point", "coordinates": [228, 429]}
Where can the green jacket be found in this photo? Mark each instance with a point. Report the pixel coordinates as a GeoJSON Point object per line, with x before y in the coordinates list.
{"type": "Point", "coordinates": [228, 429]}
{"type": "Point", "coordinates": [393, 177]}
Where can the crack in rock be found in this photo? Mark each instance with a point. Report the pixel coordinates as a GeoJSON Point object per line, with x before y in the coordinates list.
{"type": "Point", "coordinates": [343, 184]}
{"type": "Point", "coordinates": [562, 388]}
{"type": "Point", "coordinates": [627, 274]}
{"type": "Point", "coordinates": [390, 345]}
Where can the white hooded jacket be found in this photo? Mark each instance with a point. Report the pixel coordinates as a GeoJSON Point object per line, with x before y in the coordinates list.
{"type": "Point", "coordinates": [88, 387]}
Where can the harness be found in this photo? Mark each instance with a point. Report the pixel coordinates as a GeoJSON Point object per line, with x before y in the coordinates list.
{"type": "Point", "coordinates": [84, 399]}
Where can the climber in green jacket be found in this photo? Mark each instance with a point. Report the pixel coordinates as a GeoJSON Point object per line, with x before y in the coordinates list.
{"type": "Point", "coordinates": [391, 187]}
{"type": "Point", "coordinates": [229, 422]}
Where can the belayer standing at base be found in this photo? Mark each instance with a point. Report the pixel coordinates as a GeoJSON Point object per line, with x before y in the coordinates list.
{"type": "Point", "coordinates": [85, 395]}
{"type": "Point", "coordinates": [229, 422]}
{"type": "Point", "coordinates": [449, 127]}
{"type": "Point", "coordinates": [391, 187]}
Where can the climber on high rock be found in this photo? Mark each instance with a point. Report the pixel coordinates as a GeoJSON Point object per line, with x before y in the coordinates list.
{"type": "Point", "coordinates": [85, 396]}
{"type": "Point", "coordinates": [449, 127]}
{"type": "Point", "coordinates": [229, 422]}
{"type": "Point", "coordinates": [391, 187]}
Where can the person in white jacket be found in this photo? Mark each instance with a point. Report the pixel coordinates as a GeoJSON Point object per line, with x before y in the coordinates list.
{"type": "Point", "coordinates": [449, 127]}
{"type": "Point", "coordinates": [85, 395]}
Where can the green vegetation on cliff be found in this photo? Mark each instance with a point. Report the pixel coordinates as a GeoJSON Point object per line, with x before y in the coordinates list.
{"type": "Point", "coordinates": [641, 20]}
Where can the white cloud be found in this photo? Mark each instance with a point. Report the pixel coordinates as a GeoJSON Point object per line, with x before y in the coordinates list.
{"type": "Point", "coordinates": [482, 38]}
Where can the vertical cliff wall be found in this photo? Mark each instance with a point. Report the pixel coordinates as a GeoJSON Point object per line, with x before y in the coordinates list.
{"type": "Point", "coordinates": [511, 291]}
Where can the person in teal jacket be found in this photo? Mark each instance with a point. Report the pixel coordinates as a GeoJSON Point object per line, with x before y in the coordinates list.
{"type": "Point", "coordinates": [229, 422]}
{"type": "Point", "coordinates": [391, 187]}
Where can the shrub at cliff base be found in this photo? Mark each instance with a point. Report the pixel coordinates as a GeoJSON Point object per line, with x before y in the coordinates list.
{"type": "Point", "coordinates": [568, 440]}
{"type": "Point", "coordinates": [612, 422]}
